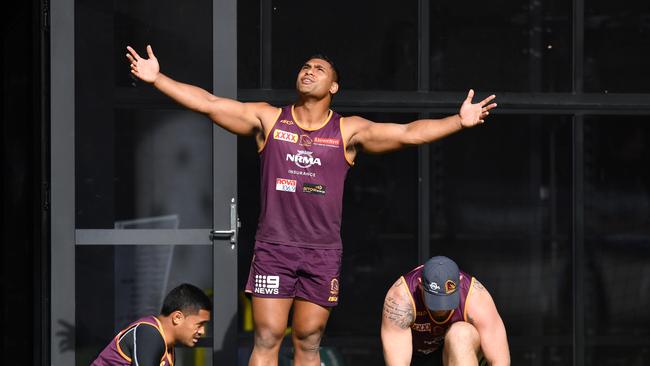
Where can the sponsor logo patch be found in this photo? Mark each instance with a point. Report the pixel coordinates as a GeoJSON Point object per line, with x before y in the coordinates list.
{"type": "Point", "coordinates": [285, 185]}
{"type": "Point", "coordinates": [421, 327]}
{"type": "Point", "coordinates": [267, 285]}
{"type": "Point", "coordinates": [327, 141]}
{"type": "Point", "coordinates": [286, 122]}
{"type": "Point", "coordinates": [304, 158]}
{"type": "Point", "coordinates": [285, 136]}
{"type": "Point", "coordinates": [313, 188]}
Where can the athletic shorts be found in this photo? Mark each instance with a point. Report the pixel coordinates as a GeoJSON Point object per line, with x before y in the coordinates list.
{"type": "Point", "coordinates": [284, 271]}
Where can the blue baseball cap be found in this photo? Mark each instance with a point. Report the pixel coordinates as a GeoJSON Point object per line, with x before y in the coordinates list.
{"type": "Point", "coordinates": [440, 281]}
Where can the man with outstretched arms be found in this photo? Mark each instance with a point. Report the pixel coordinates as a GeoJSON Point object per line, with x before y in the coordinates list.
{"type": "Point", "coordinates": [436, 308]}
{"type": "Point", "coordinates": [305, 150]}
{"type": "Point", "coordinates": [150, 341]}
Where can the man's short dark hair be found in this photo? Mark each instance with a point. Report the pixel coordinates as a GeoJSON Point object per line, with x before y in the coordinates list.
{"type": "Point", "coordinates": [186, 298]}
{"type": "Point", "coordinates": [337, 74]}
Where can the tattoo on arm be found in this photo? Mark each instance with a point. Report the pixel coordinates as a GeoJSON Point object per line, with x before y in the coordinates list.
{"type": "Point", "coordinates": [400, 314]}
{"type": "Point", "coordinates": [477, 285]}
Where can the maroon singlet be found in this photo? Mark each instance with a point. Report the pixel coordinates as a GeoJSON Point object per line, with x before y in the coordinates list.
{"type": "Point", "coordinates": [113, 355]}
{"type": "Point", "coordinates": [427, 333]}
{"type": "Point", "coordinates": [302, 178]}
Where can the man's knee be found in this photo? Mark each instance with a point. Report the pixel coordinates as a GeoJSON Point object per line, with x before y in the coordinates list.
{"type": "Point", "coordinates": [307, 339]}
{"type": "Point", "coordinates": [462, 335]}
{"type": "Point", "coordinates": [267, 337]}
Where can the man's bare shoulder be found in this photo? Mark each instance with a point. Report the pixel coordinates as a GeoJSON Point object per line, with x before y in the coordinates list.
{"type": "Point", "coordinates": [480, 305]}
{"type": "Point", "coordinates": [356, 123]}
{"type": "Point", "coordinates": [265, 112]}
{"type": "Point", "coordinates": [263, 108]}
{"type": "Point", "coordinates": [398, 308]}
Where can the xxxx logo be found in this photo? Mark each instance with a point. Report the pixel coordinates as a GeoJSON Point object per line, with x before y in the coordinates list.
{"type": "Point", "coordinates": [285, 136]}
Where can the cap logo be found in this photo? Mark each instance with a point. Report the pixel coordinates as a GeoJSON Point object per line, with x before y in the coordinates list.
{"type": "Point", "coordinates": [433, 286]}
{"type": "Point", "coordinates": [450, 286]}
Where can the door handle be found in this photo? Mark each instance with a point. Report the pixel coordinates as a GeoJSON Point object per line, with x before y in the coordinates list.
{"type": "Point", "coordinates": [234, 227]}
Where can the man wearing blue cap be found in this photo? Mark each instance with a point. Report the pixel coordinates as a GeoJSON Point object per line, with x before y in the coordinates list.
{"type": "Point", "coordinates": [438, 307]}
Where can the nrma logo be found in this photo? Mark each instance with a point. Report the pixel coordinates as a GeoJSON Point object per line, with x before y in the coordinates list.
{"type": "Point", "coordinates": [267, 285]}
{"type": "Point", "coordinates": [304, 159]}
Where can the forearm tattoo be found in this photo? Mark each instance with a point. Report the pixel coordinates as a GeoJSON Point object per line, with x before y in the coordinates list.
{"type": "Point", "coordinates": [400, 314]}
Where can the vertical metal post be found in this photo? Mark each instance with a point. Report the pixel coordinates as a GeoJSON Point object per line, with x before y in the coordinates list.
{"type": "Point", "coordinates": [424, 67]}
{"type": "Point", "coordinates": [62, 226]}
{"type": "Point", "coordinates": [535, 47]}
{"type": "Point", "coordinates": [41, 239]}
{"type": "Point", "coordinates": [535, 226]}
{"type": "Point", "coordinates": [578, 45]}
{"type": "Point", "coordinates": [224, 261]}
{"type": "Point", "coordinates": [424, 175]}
{"type": "Point", "coordinates": [578, 188]}
{"type": "Point", "coordinates": [266, 8]}
{"type": "Point", "coordinates": [578, 237]}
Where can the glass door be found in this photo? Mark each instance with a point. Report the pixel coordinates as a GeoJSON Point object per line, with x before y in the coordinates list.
{"type": "Point", "coordinates": [143, 191]}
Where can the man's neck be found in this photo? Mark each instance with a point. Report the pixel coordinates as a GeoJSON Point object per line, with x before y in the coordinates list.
{"type": "Point", "coordinates": [168, 330]}
{"type": "Point", "coordinates": [312, 113]}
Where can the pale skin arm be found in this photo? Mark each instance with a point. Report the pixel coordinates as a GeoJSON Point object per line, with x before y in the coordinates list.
{"type": "Point", "coordinates": [237, 117]}
{"type": "Point", "coordinates": [375, 137]}
{"type": "Point", "coordinates": [483, 315]}
{"type": "Point", "coordinates": [397, 316]}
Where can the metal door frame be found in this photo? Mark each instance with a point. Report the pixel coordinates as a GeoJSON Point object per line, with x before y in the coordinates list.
{"type": "Point", "coordinates": [64, 235]}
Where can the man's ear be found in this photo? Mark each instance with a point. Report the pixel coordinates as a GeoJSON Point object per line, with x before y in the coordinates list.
{"type": "Point", "coordinates": [177, 317]}
{"type": "Point", "coordinates": [334, 87]}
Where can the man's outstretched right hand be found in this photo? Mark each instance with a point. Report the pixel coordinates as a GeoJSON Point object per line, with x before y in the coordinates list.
{"type": "Point", "coordinates": [147, 69]}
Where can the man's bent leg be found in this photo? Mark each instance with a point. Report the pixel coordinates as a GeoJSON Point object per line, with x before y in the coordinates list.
{"type": "Point", "coordinates": [308, 326]}
{"type": "Point", "coordinates": [270, 320]}
{"type": "Point", "coordinates": [462, 345]}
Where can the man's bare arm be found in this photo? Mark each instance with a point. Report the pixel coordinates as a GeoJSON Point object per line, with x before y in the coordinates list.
{"type": "Point", "coordinates": [483, 314]}
{"type": "Point", "coordinates": [375, 137]}
{"type": "Point", "coordinates": [234, 116]}
{"type": "Point", "coordinates": [397, 316]}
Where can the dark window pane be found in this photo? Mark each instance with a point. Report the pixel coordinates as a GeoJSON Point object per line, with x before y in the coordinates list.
{"type": "Point", "coordinates": [617, 239]}
{"type": "Point", "coordinates": [248, 44]}
{"type": "Point", "coordinates": [116, 285]}
{"type": "Point", "coordinates": [504, 45]}
{"type": "Point", "coordinates": [139, 168]}
{"type": "Point", "coordinates": [134, 163]}
{"type": "Point", "coordinates": [501, 207]}
{"type": "Point", "coordinates": [380, 242]}
{"type": "Point", "coordinates": [179, 32]}
{"type": "Point", "coordinates": [617, 46]}
{"type": "Point", "coordinates": [373, 45]}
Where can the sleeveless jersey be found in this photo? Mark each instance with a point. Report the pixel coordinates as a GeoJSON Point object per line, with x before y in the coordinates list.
{"type": "Point", "coordinates": [302, 177]}
{"type": "Point", "coordinates": [113, 355]}
{"type": "Point", "coordinates": [428, 334]}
